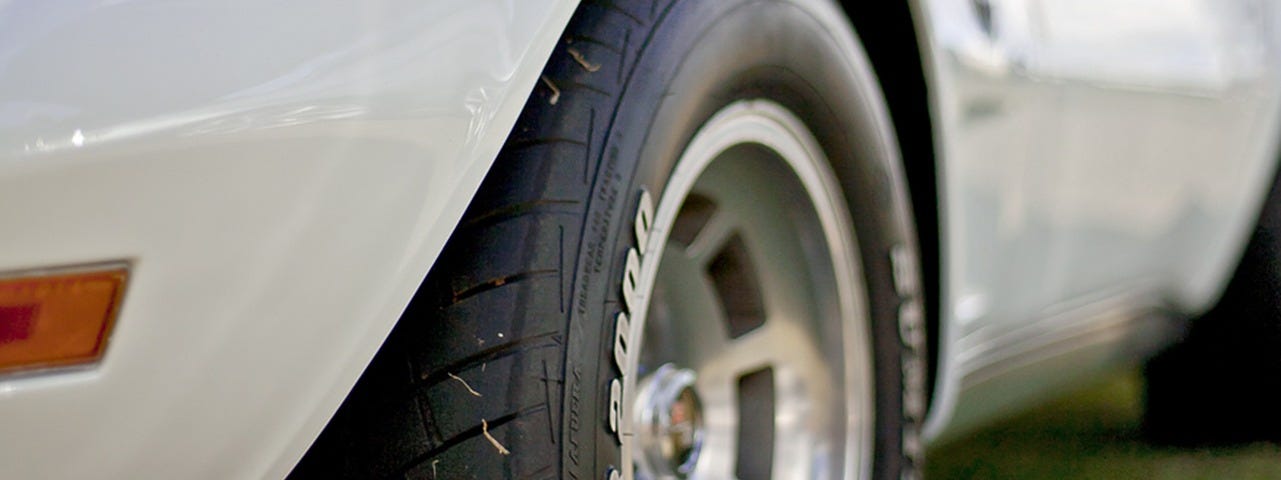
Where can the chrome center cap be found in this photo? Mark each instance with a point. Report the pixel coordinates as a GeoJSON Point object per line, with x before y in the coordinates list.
{"type": "Point", "coordinates": [669, 422]}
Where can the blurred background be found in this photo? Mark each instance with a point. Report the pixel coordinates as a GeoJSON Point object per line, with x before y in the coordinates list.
{"type": "Point", "coordinates": [1092, 433]}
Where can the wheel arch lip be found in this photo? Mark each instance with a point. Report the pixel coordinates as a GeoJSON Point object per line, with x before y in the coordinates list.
{"type": "Point", "coordinates": [895, 38]}
{"type": "Point", "coordinates": [237, 168]}
{"type": "Point", "coordinates": [891, 264]}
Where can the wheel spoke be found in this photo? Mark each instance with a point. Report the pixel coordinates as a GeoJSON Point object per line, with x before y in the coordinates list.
{"type": "Point", "coordinates": [711, 239]}
{"type": "Point", "coordinates": [688, 317]}
{"type": "Point", "coordinates": [720, 402]}
{"type": "Point", "coordinates": [747, 303]}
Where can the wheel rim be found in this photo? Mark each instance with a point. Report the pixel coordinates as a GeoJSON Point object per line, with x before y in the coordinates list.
{"type": "Point", "coordinates": [753, 299]}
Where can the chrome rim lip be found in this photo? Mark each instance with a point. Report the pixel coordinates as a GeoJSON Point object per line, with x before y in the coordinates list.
{"type": "Point", "coordinates": [666, 387]}
{"type": "Point", "coordinates": [765, 123]}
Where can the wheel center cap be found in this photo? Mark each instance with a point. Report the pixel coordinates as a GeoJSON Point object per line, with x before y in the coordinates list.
{"type": "Point", "coordinates": [669, 421]}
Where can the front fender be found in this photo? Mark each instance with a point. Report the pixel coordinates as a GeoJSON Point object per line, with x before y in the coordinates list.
{"type": "Point", "coordinates": [281, 175]}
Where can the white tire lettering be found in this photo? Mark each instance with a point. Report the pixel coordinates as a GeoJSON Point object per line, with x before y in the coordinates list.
{"type": "Point", "coordinates": [622, 329]}
{"type": "Point", "coordinates": [644, 220]}
{"type": "Point", "coordinates": [912, 336]}
{"type": "Point", "coordinates": [630, 285]}
{"type": "Point", "coordinates": [911, 324]}
{"type": "Point", "coordinates": [615, 404]}
{"type": "Point", "coordinates": [631, 275]}
{"type": "Point", "coordinates": [904, 270]}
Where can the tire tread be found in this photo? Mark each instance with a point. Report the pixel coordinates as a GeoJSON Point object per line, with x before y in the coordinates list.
{"type": "Point", "coordinates": [440, 332]}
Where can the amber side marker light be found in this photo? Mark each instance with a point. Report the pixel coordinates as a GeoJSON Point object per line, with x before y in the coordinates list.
{"type": "Point", "coordinates": [57, 318]}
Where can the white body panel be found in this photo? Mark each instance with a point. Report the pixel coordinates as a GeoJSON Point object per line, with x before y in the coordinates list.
{"type": "Point", "coordinates": [281, 175]}
{"type": "Point", "coordinates": [1100, 159]}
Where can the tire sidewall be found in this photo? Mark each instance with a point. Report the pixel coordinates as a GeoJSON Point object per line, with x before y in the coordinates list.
{"type": "Point", "coordinates": [700, 58]}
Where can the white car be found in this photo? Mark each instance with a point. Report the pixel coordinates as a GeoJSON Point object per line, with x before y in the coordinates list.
{"type": "Point", "coordinates": [623, 239]}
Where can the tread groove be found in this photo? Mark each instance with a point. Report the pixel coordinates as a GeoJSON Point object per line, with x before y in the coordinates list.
{"type": "Point", "coordinates": [595, 41]}
{"type": "Point", "coordinates": [466, 435]}
{"type": "Point", "coordinates": [622, 57]}
{"type": "Point", "coordinates": [488, 355]}
{"type": "Point", "coordinates": [560, 270]}
{"type": "Point", "coordinates": [524, 143]}
{"type": "Point", "coordinates": [620, 10]}
{"type": "Point", "coordinates": [591, 133]}
{"type": "Point", "coordinates": [572, 86]}
{"type": "Point", "coordinates": [547, 398]}
{"type": "Point", "coordinates": [498, 215]}
{"type": "Point", "coordinates": [460, 295]}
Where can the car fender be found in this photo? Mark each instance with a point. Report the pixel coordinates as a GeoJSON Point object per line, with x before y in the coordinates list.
{"type": "Point", "coordinates": [279, 175]}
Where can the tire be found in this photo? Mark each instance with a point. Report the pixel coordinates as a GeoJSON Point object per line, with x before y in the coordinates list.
{"type": "Point", "coordinates": [1222, 383]}
{"type": "Point", "coordinates": [524, 353]}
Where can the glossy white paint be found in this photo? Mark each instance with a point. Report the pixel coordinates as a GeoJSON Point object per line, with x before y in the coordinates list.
{"type": "Point", "coordinates": [1093, 152]}
{"type": "Point", "coordinates": [281, 174]}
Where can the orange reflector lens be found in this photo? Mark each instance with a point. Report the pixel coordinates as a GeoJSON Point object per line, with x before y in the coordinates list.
{"type": "Point", "coordinates": [57, 319]}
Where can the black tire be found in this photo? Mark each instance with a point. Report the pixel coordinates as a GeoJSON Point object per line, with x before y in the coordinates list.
{"type": "Point", "coordinates": [1222, 383]}
{"type": "Point", "coordinates": [519, 308]}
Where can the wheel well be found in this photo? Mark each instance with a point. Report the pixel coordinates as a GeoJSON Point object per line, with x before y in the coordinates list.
{"type": "Point", "coordinates": [888, 35]}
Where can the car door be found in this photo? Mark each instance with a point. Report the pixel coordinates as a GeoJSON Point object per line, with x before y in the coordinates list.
{"type": "Point", "coordinates": [1093, 146]}
{"type": "Point", "coordinates": [1162, 139]}
{"type": "Point", "coordinates": [1094, 155]}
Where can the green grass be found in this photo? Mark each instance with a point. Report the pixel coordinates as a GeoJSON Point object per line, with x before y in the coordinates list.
{"type": "Point", "coordinates": [1092, 434]}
